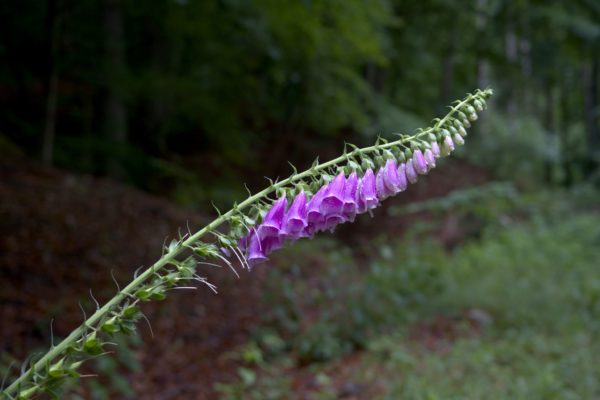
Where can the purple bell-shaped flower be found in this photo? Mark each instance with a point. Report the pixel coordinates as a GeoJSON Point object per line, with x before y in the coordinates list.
{"type": "Point", "coordinates": [435, 149]}
{"type": "Point", "coordinates": [447, 146]}
{"type": "Point", "coordinates": [294, 221]}
{"type": "Point", "coordinates": [256, 255]}
{"type": "Point", "coordinates": [390, 177]}
{"type": "Point", "coordinates": [419, 162]}
{"type": "Point", "coordinates": [383, 192]}
{"type": "Point", "coordinates": [368, 193]}
{"type": "Point", "coordinates": [430, 158]}
{"type": "Point", "coordinates": [411, 173]}
{"type": "Point", "coordinates": [271, 224]}
{"type": "Point", "coordinates": [314, 216]}
{"type": "Point", "coordinates": [402, 180]}
{"type": "Point", "coordinates": [350, 197]}
{"type": "Point", "coordinates": [333, 201]}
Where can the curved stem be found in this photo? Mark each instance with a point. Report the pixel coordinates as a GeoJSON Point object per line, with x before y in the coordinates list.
{"type": "Point", "coordinates": [131, 288]}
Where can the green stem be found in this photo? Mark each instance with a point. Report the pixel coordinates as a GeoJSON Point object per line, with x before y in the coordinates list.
{"type": "Point", "coordinates": [131, 288]}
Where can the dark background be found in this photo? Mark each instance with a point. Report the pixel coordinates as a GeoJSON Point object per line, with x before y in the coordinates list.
{"type": "Point", "coordinates": [121, 121]}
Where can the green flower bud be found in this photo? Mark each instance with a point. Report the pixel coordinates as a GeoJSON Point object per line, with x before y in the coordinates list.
{"type": "Point", "coordinates": [478, 105]}
{"type": "Point", "coordinates": [367, 163]}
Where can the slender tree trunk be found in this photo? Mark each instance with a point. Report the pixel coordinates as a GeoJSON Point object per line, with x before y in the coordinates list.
{"type": "Point", "coordinates": [510, 49]}
{"type": "Point", "coordinates": [448, 69]}
{"type": "Point", "coordinates": [592, 111]}
{"type": "Point", "coordinates": [53, 35]}
{"type": "Point", "coordinates": [115, 109]}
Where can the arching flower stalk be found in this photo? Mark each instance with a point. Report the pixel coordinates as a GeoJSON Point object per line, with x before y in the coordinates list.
{"type": "Point", "coordinates": [352, 191]}
{"type": "Point", "coordinates": [304, 204]}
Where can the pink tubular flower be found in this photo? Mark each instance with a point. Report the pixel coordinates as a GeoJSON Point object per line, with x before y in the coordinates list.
{"type": "Point", "coordinates": [419, 162]}
{"type": "Point", "coordinates": [294, 221]}
{"type": "Point", "coordinates": [313, 207]}
{"type": "Point", "coordinates": [435, 149]}
{"type": "Point", "coordinates": [315, 218]}
{"type": "Point", "coordinates": [411, 173]}
{"type": "Point", "coordinates": [256, 255]}
{"type": "Point", "coordinates": [390, 177]}
{"type": "Point", "coordinates": [447, 146]}
{"type": "Point", "coordinates": [333, 201]}
{"type": "Point", "coordinates": [382, 190]}
{"type": "Point", "coordinates": [368, 193]}
{"type": "Point", "coordinates": [430, 158]}
{"type": "Point", "coordinates": [350, 197]}
{"type": "Point", "coordinates": [271, 225]}
{"type": "Point", "coordinates": [402, 180]}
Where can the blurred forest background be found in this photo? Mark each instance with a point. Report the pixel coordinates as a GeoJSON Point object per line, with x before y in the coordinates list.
{"type": "Point", "coordinates": [121, 121]}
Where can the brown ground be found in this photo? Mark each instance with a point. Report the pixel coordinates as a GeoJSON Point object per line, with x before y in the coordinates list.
{"type": "Point", "coordinates": [62, 234]}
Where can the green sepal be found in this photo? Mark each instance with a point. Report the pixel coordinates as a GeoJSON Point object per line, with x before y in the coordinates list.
{"type": "Point", "coordinates": [143, 294]}
{"type": "Point", "coordinates": [367, 163]}
{"type": "Point", "coordinates": [56, 370]}
{"type": "Point", "coordinates": [92, 345]}
{"type": "Point", "coordinates": [110, 325]}
{"type": "Point", "coordinates": [206, 250]}
{"type": "Point", "coordinates": [158, 293]}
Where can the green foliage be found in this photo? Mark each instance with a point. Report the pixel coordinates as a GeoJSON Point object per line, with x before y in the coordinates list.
{"type": "Point", "coordinates": [508, 266]}
{"type": "Point", "coordinates": [523, 364]}
{"type": "Point", "coordinates": [519, 310]}
{"type": "Point", "coordinates": [332, 312]}
{"type": "Point", "coordinates": [518, 149]}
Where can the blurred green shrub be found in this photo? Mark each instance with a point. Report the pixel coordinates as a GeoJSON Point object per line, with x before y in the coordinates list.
{"type": "Point", "coordinates": [327, 312]}
{"type": "Point", "coordinates": [535, 280]}
{"type": "Point", "coordinates": [518, 149]}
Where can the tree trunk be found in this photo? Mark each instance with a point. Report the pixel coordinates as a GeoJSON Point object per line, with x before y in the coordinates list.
{"type": "Point", "coordinates": [592, 109]}
{"type": "Point", "coordinates": [53, 35]}
{"type": "Point", "coordinates": [115, 110]}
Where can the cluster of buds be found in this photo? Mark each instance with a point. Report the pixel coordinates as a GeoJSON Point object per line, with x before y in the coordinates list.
{"type": "Point", "coordinates": [356, 189]}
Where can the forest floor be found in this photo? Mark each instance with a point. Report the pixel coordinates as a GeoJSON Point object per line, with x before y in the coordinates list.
{"type": "Point", "coordinates": [63, 236]}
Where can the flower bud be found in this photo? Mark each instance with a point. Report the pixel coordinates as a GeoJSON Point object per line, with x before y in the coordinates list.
{"type": "Point", "coordinates": [447, 146]}
{"type": "Point", "coordinates": [430, 158]}
{"type": "Point", "coordinates": [478, 105]}
{"type": "Point", "coordinates": [459, 140]}
{"type": "Point", "coordinates": [411, 173]}
{"type": "Point", "coordinates": [435, 149]}
{"type": "Point", "coordinates": [402, 179]}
